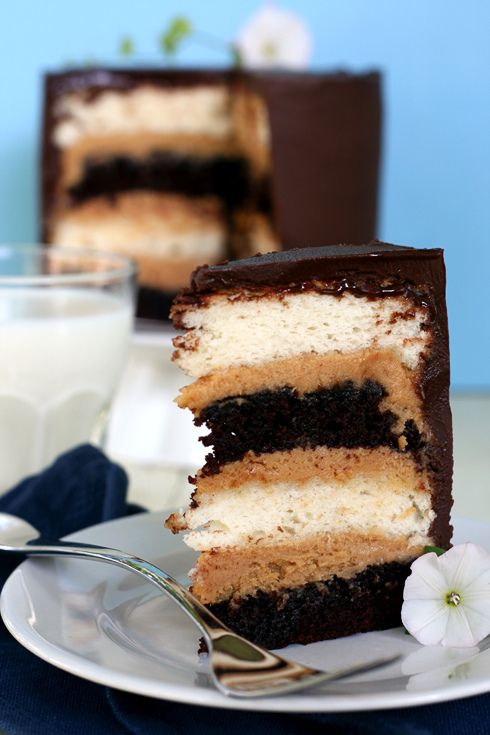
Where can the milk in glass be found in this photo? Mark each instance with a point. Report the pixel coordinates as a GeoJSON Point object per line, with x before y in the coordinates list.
{"type": "Point", "coordinates": [61, 353]}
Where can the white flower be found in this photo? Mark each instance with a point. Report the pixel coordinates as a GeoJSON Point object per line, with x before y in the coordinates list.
{"type": "Point", "coordinates": [275, 38]}
{"type": "Point", "coordinates": [447, 597]}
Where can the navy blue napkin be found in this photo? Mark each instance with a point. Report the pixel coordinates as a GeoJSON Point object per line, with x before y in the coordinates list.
{"type": "Point", "coordinates": [81, 489]}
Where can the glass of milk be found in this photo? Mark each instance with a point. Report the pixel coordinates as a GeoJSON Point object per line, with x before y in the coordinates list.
{"type": "Point", "coordinates": [65, 322]}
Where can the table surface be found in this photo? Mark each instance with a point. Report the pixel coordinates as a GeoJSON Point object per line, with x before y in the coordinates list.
{"type": "Point", "coordinates": [157, 443]}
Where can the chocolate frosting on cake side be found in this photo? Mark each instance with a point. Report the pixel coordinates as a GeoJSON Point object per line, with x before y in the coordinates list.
{"type": "Point", "coordinates": [376, 270]}
{"type": "Point", "coordinates": [326, 139]}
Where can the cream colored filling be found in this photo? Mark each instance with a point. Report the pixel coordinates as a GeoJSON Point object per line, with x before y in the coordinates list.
{"type": "Point", "coordinates": [200, 110]}
{"type": "Point", "coordinates": [145, 236]}
{"type": "Point", "coordinates": [283, 512]}
{"type": "Point", "coordinates": [230, 331]}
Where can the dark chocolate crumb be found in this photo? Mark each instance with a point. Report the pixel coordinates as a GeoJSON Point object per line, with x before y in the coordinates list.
{"type": "Point", "coordinates": [371, 600]}
{"type": "Point", "coordinates": [344, 415]}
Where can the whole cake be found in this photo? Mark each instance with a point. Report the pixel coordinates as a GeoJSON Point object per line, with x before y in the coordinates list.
{"type": "Point", "coordinates": [322, 375]}
{"type": "Point", "coordinates": [182, 167]}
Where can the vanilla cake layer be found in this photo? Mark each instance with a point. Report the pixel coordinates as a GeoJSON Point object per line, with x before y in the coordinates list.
{"type": "Point", "coordinates": [155, 235]}
{"type": "Point", "coordinates": [200, 110]}
{"type": "Point", "coordinates": [281, 511]}
{"type": "Point", "coordinates": [168, 236]}
{"type": "Point", "coordinates": [233, 573]}
{"type": "Point", "coordinates": [228, 330]}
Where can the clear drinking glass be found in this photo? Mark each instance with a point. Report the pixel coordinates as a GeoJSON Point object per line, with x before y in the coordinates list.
{"type": "Point", "coordinates": [66, 318]}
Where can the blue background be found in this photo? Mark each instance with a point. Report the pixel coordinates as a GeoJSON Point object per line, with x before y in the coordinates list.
{"type": "Point", "coordinates": [436, 165]}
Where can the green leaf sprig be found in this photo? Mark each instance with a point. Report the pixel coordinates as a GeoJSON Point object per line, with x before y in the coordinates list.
{"type": "Point", "coordinates": [178, 29]}
{"type": "Point", "coordinates": [126, 47]}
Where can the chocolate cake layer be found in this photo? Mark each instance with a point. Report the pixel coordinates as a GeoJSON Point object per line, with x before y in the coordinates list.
{"type": "Point", "coordinates": [344, 415]}
{"type": "Point", "coordinates": [226, 177]}
{"type": "Point", "coordinates": [370, 600]}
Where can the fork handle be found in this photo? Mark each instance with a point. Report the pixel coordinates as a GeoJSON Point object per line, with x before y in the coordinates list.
{"type": "Point", "coordinates": [209, 625]}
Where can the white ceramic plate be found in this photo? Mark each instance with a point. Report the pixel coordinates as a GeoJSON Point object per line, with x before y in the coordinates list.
{"type": "Point", "coordinates": [109, 626]}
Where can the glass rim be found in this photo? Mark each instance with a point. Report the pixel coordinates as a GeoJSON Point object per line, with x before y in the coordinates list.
{"type": "Point", "coordinates": [124, 267]}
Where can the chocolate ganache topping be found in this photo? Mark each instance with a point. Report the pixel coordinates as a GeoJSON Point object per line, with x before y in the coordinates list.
{"type": "Point", "coordinates": [377, 269]}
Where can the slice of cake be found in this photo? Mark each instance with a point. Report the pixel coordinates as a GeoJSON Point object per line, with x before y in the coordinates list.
{"type": "Point", "coordinates": [322, 375]}
{"type": "Point", "coordinates": [142, 163]}
{"type": "Point", "coordinates": [179, 167]}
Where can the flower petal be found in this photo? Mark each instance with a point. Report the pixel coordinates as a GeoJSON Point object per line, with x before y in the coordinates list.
{"type": "Point", "coordinates": [459, 632]}
{"type": "Point", "coordinates": [477, 612]}
{"type": "Point", "coordinates": [426, 620]}
{"type": "Point", "coordinates": [426, 580]}
{"type": "Point", "coordinates": [464, 569]}
{"type": "Point", "coordinates": [464, 564]}
{"type": "Point", "coordinates": [275, 37]}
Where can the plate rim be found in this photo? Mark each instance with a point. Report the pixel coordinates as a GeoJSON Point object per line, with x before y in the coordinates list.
{"type": "Point", "coordinates": [77, 665]}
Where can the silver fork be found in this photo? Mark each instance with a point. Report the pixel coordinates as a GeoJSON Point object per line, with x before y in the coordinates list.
{"type": "Point", "coordinates": [239, 668]}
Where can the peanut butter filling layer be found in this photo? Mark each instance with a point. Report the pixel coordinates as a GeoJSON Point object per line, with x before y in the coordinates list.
{"type": "Point", "coordinates": [224, 573]}
{"type": "Point", "coordinates": [178, 213]}
{"type": "Point", "coordinates": [251, 124]}
{"type": "Point", "coordinates": [310, 372]}
{"type": "Point", "coordinates": [168, 274]}
{"type": "Point", "coordinates": [154, 271]}
{"type": "Point", "coordinates": [339, 465]}
{"type": "Point", "coordinates": [253, 233]}
{"type": "Point", "coordinates": [137, 146]}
